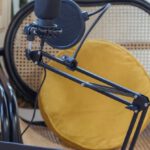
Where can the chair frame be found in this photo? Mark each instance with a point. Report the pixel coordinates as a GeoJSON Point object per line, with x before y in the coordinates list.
{"type": "Point", "coordinates": [9, 111]}
{"type": "Point", "coordinates": [140, 102]}
{"type": "Point", "coordinates": [23, 88]}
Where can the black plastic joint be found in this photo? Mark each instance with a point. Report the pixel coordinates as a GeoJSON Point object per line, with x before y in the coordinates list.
{"type": "Point", "coordinates": [85, 15]}
{"type": "Point", "coordinates": [35, 56]}
{"type": "Point", "coordinates": [141, 102]}
{"type": "Point", "coordinates": [132, 108]}
{"type": "Point", "coordinates": [70, 62]}
{"type": "Point", "coordinates": [1, 51]}
{"type": "Point", "coordinates": [28, 31]}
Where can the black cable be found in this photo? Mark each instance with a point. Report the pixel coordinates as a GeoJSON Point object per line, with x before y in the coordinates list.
{"type": "Point", "coordinates": [103, 10]}
{"type": "Point", "coordinates": [97, 11]}
{"type": "Point", "coordinates": [35, 105]}
{"type": "Point", "coordinates": [36, 123]}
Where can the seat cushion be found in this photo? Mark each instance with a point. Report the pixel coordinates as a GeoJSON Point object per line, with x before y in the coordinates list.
{"type": "Point", "coordinates": [84, 118]}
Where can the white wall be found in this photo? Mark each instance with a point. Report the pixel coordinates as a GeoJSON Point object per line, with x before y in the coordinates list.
{"type": "Point", "coordinates": [5, 13]}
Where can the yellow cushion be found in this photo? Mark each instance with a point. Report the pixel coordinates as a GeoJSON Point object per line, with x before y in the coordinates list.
{"type": "Point", "coordinates": [86, 119]}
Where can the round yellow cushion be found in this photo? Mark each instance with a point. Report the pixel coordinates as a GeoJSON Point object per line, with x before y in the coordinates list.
{"type": "Point", "coordinates": [84, 118]}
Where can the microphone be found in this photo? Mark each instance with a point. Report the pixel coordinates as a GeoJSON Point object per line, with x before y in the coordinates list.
{"type": "Point", "coordinates": [46, 11]}
{"type": "Point", "coordinates": [60, 23]}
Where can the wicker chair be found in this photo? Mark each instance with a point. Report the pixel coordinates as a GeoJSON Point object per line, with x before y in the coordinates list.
{"type": "Point", "coordinates": [126, 23]}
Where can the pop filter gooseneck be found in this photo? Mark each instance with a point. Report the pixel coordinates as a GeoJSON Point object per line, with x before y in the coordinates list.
{"type": "Point", "coordinates": [101, 12]}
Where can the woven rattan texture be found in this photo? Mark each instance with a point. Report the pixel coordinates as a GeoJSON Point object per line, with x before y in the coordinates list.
{"type": "Point", "coordinates": [126, 25]}
{"type": "Point", "coordinates": [28, 71]}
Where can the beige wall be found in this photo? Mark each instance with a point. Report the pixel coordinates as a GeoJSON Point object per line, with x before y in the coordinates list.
{"type": "Point", "coordinates": [5, 10]}
{"type": "Point", "coordinates": [0, 7]}
{"type": "Point", "coordinates": [5, 13]}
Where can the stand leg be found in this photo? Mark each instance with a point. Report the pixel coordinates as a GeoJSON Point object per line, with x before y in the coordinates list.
{"type": "Point", "coordinates": [127, 138]}
{"type": "Point", "coordinates": [139, 126]}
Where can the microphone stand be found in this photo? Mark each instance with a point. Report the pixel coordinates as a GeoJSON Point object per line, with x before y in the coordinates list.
{"type": "Point", "coordinates": [140, 103]}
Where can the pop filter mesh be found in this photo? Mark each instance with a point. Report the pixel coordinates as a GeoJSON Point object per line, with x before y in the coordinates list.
{"type": "Point", "coordinates": [126, 25]}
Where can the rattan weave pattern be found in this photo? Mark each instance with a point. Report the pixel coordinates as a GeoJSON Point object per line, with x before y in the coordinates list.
{"type": "Point", "coordinates": [126, 25]}
{"type": "Point", "coordinates": [27, 70]}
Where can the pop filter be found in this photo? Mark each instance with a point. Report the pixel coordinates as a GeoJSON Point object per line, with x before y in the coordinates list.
{"type": "Point", "coordinates": [67, 16]}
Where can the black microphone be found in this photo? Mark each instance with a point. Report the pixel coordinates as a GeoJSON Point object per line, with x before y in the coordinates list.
{"type": "Point", "coordinates": [46, 11]}
{"type": "Point", "coordinates": [60, 23]}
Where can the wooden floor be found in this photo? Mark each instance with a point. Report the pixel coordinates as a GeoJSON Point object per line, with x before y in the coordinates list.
{"type": "Point", "coordinates": [144, 140]}
{"type": "Point", "coordinates": [40, 136]}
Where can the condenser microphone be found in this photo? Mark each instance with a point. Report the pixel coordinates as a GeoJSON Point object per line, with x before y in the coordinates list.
{"type": "Point", "coordinates": [60, 23]}
{"type": "Point", "coordinates": [46, 11]}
